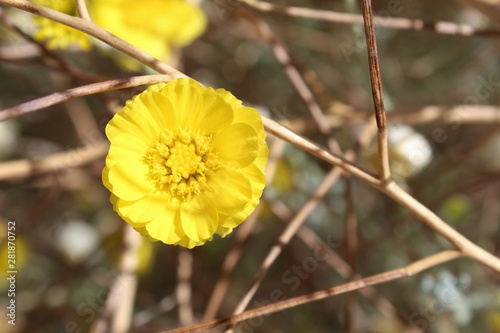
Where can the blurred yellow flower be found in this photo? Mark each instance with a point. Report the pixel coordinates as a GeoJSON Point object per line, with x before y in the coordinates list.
{"type": "Point", "coordinates": [493, 318]}
{"type": "Point", "coordinates": [185, 162]}
{"type": "Point", "coordinates": [153, 25]}
{"type": "Point", "coordinates": [57, 35]}
{"type": "Point", "coordinates": [283, 179]}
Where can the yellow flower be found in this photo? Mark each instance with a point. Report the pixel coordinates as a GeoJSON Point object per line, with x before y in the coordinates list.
{"type": "Point", "coordinates": [185, 162]}
{"type": "Point", "coordinates": [57, 35]}
{"type": "Point", "coordinates": [153, 25]}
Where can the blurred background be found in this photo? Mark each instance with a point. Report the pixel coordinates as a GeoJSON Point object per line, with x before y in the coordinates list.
{"type": "Point", "coordinates": [442, 96]}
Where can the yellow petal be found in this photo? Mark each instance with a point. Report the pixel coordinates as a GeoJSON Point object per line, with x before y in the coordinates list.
{"type": "Point", "coordinates": [105, 179]}
{"type": "Point", "coordinates": [161, 110]}
{"type": "Point", "coordinates": [197, 106]}
{"type": "Point", "coordinates": [229, 98]}
{"type": "Point", "coordinates": [251, 117]}
{"type": "Point", "coordinates": [117, 202]}
{"type": "Point", "coordinates": [216, 113]}
{"type": "Point", "coordinates": [130, 122]}
{"type": "Point", "coordinates": [113, 199]}
{"type": "Point", "coordinates": [157, 87]}
{"type": "Point", "coordinates": [199, 219]}
{"type": "Point", "coordinates": [223, 231]}
{"type": "Point", "coordinates": [189, 243]}
{"type": "Point", "coordinates": [229, 190]}
{"type": "Point", "coordinates": [258, 180]}
{"type": "Point", "coordinates": [262, 156]}
{"type": "Point", "coordinates": [185, 96]}
{"type": "Point", "coordinates": [237, 145]}
{"type": "Point", "coordinates": [139, 113]}
{"type": "Point", "coordinates": [129, 180]}
{"type": "Point", "coordinates": [166, 227]}
{"type": "Point", "coordinates": [144, 209]}
{"type": "Point", "coordinates": [126, 148]}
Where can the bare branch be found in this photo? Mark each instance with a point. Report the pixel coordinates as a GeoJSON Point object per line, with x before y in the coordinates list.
{"type": "Point", "coordinates": [285, 237]}
{"type": "Point", "coordinates": [385, 277]}
{"type": "Point", "coordinates": [81, 7]}
{"type": "Point", "coordinates": [66, 95]}
{"type": "Point", "coordinates": [440, 27]}
{"type": "Point", "coordinates": [183, 290]}
{"type": "Point", "coordinates": [19, 169]}
{"type": "Point", "coordinates": [120, 301]}
{"type": "Point", "coordinates": [378, 95]}
{"type": "Point", "coordinates": [295, 76]}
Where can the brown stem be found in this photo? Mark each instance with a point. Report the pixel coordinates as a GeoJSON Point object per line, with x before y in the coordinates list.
{"type": "Point", "coordinates": [377, 92]}
{"type": "Point", "coordinates": [385, 277]}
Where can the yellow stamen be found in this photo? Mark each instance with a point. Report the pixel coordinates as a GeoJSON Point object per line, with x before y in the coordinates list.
{"type": "Point", "coordinates": [181, 161]}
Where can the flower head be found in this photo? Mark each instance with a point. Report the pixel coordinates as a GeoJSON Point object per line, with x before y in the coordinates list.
{"type": "Point", "coordinates": [185, 162]}
{"type": "Point", "coordinates": [57, 35]}
{"type": "Point", "coordinates": [154, 25]}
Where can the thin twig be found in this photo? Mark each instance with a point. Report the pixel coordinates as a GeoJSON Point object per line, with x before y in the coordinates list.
{"type": "Point", "coordinates": [295, 76]}
{"type": "Point", "coordinates": [467, 247]}
{"type": "Point", "coordinates": [378, 95]}
{"type": "Point", "coordinates": [145, 316]}
{"type": "Point", "coordinates": [351, 239]}
{"type": "Point", "coordinates": [126, 283]}
{"type": "Point", "coordinates": [332, 258]}
{"type": "Point", "coordinates": [477, 114]}
{"type": "Point", "coordinates": [28, 51]}
{"type": "Point", "coordinates": [119, 303]}
{"type": "Point", "coordinates": [385, 277]}
{"type": "Point", "coordinates": [74, 72]}
{"type": "Point", "coordinates": [19, 52]}
{"type": "Point", "coordinates": [440, 27]}
{"type": "Point", "coordinates": [19, 169]}
{"type": "Point", "coordinates": [78, 112]}
{"type": "Point", "coordinates": [183, 290]}
{"type": "Point", "coordinates": [66, 95]}
{"type": "Point", "coordinates": [431, 114]}
{"type": "Point", "coordinates": [286, 236]}
{"type": "Point", "coordinates": [286, 134]}
{"type": "Point", "coordinates": [351, 230]}
{"type": "Point", "coordinates": [81, 7]}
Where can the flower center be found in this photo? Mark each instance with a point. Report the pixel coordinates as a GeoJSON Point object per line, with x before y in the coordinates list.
{"type": "Point", "coordinates": [180, 162]}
